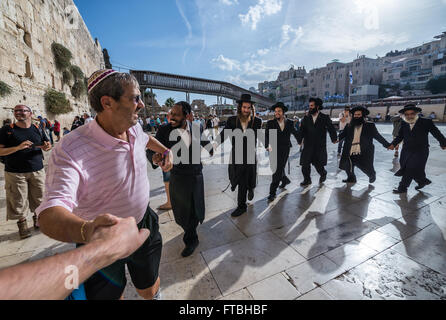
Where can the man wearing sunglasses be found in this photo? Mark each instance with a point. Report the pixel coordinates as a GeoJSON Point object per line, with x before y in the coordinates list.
{"type": "Point", "coordinates": [100, 169]}
{"type": "Point", "coordinates": [22, 143]}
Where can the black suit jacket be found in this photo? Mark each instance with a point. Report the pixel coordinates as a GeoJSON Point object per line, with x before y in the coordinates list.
{"type": "Point", "coordinates": [283, 137]}
{"type": "Point", "coordinates": [416, 143]}
{"type": "Point", "coordinates": [190, 168]}
{"type": "Point", "coordinates": [236, 171]}
{"type": "Point", "coordinates": [315, 138]}
{"type": "Point", "coordinates": [369, 132]}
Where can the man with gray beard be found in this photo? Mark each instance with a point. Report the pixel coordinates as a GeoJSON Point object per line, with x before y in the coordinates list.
{"type": "Point", "coordinates": [414, 132]}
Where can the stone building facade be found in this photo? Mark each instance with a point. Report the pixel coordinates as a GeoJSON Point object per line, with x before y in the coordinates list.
{"type": "Point", "coordinates": [27, 30]}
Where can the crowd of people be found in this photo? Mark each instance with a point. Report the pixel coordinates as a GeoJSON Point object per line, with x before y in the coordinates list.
{"type": "Point", "coordinates": [97, 188]}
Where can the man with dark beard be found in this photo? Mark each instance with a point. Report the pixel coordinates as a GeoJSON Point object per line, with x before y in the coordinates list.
{"type": "Point", "coordinates": [186, 178]}
{"type": "Point", "coordinates": [313, 130]}
{"type": "Point", "coordinates": [414, 132]}
{"type": "Point", "coordinates": [359, 150]}
{"type": "Point", "coordinates": [284, 128]}
{"type": "Point", "coordinates": [243, 173]}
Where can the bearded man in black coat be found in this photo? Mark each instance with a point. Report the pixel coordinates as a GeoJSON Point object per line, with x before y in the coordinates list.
{"type": "Point", "coordinates": [313, 132]}
{"type": "Point", "coordinates": [414, 131]}
{"type": "Point", "coordinates": [359, 150]}
{"type": "Point", "coordinates": [186, 186]}
{"type": "Point", "coordinates": [243, 167]}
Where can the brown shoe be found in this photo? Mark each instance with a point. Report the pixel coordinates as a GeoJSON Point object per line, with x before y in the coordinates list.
{"type": "Point", "coordinates": [165, 206]}
{"type": "Point", "coordinates": [23, 229]}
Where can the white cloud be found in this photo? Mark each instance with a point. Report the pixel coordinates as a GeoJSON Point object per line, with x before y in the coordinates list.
{"type": "Point", "coordinates": [186, 21]}
{"type": "Point", "coordinates": [261, 9]}
{"type": "Point", "coordinates": [289, 33]}
{"type": "Point", "coordinates": [330, 35]}
{"type": "Point", "coordinates": [226, 64]}
{"type": "Point", "coordinates": [228, 2]}
{"type": "Point", "coordinates": [262, 52]}
{"type": "Point", "coordinates": [249, 73]}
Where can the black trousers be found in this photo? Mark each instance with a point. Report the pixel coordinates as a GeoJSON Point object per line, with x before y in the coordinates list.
{"type": "Point", "coordinates": [306, 169]}
{"type": "Point", "coordinates": [279, 175]}
{"type": "Point", "coordinates": [341, 142]}
{"type": "Point", "coordinates": [246, 181]}
{"type": "Point", "coordinates": [190, 231]}
{"type": "Point", "coordinates": [356, 162]}
{"type": "Point", "coordinates": [419, 175]}
{"type": "Point", "coordinates": [241, 195]}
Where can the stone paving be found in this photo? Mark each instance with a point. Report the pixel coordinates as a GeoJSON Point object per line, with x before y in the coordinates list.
{"type": "Point", "coordinates": [334, 241]}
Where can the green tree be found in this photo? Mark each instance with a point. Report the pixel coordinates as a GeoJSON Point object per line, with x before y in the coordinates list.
{"type": "Point", "coordinates": [437, 85]}
{"type": "Point", "coordinates": [169, 102]}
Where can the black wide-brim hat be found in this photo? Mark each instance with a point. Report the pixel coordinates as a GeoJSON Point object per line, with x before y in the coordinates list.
{"type": "Point", "coordinates": [318, 102]}
{"type": "Point", "coordinates": [410, 107]}
{"type": "Point", "coordinates": [245, 98]}
{"type": "Point", "coordinates": [279, 105]}
{"type": "Point", "coordinates": [365, 111]}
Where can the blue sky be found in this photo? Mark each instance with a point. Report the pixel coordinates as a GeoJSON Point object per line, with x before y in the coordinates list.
{"type": "Point", "coordinates": [249, 41]}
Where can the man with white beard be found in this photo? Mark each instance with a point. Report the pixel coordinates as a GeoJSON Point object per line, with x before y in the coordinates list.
{"type": "Point", "coordinates": [414, 132]}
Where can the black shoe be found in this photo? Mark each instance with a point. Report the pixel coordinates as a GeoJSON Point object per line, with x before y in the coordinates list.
{"type": "Point", "coordinates": [322, 179]}
{"type": "Point", "coordinates": [238, 212]}
{"type": "Point", "coordinates": [372, 179]}
{"type": "Point", "coordinates": [189, 249]}
{"type": "Point", "coordinates": [36, 227]}
{"type": "Point", "coordinates": [305, 183]}
{"type": "Point", "coordinates": [350, 180]}
{"type": "Point", "coordinates": [250, 194]}
{"type": "Point", "coordinates": [271, 198]}
{"type": "Point", "coordinates": [422, 185]}
{"type": "Point", "coordinates": [285, 183]}
{"type": "Point", "coordinates": [399, 190]}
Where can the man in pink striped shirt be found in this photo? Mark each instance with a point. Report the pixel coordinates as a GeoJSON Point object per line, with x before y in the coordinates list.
{"type": "Point", "coordinates": [101, 169]}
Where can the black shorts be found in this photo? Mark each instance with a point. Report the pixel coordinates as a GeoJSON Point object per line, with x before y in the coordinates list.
{"type": "Point", "coordinates": [109, 283]}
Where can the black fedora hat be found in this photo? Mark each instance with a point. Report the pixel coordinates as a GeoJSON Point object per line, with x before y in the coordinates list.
{"type": "Point", "coordinates": [279, 105]}
{"type": "Point", "coordinates": [365, 111]}
{"type": "Point", "coordinates": [410, 107]}
{"type": "Point", "coordinates": [245, 98]}
{"type": "Point", "coordinates": [318, 101]}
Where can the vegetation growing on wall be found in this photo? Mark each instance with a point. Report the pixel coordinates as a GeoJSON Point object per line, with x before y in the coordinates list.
{"type": "Point", "coordinates": [70, 72]}
{"type": "Point", "coordinates": [56, 102]}
{"type": "Point", "coordinates": [78, 89]}
{"type": "Point", "coordinates": [5, 90]}
{"type": "Point", "coordinates": [62, 56]}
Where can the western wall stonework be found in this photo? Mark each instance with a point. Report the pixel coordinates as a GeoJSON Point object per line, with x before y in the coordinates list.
{"type": "Point", "coordinates": [27, 30]}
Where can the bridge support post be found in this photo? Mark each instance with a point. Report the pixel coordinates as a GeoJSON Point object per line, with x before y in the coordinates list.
{"type": "Point", "coordinates": [188, 97]}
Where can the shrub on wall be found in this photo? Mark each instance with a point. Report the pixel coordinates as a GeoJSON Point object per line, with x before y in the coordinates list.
{"type": "Point", "coordinates": [62, 56]}
{"type": "Point", "coordinates": [56, 102]}
{"type": "Point", "coordinates": [76, 72]}
{"type": "Point", "coordinates": [78, 89]}
{"type": "Point", "coordinates": [67, 77]}
{"type": "Point", "coordinates": [5, 90]}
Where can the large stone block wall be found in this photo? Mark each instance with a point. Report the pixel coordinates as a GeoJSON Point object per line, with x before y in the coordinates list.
{"type": "Point", "coordinates": [27, 30]}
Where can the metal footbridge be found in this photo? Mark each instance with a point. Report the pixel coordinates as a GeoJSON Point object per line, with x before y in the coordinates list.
{"type": "Point", "coordinates": [172, 82]}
